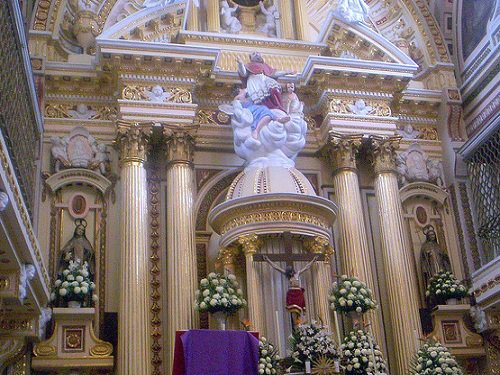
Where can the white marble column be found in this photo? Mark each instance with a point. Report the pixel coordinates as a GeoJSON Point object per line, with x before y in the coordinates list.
{"type": "Point", "coordinates": [354, 250]}
{"type": "Point", "coordinates": [181, 248]}
{"type": "Point", "coordinates": [133, 314]}
{"type": "Point", "coordinates": [250, 244]}
{"type": "Point", "coordinates": [399, 269]}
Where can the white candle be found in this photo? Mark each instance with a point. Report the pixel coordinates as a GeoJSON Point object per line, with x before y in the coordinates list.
{"type": "Point", "coordinates": [278, 332]}
{"type": "Point", "coordinates": [308, 367]}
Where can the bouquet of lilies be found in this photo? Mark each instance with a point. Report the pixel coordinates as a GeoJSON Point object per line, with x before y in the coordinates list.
{"type": "Point", "coordinates": [361, 355]}
{"type": "Point", "coordinates": [444, 286]}
{"type": "Point", "coordinates": [219, 293]}
{"type": "Point", "coordinates": [433, 358]}
{"type": "Point", "coordinates": [351, 294]}
{"type": "Point", "coordinates": [268, 357]}
{"type": "Point", "coordinates": [74, 284]}
{"type": "Point", "coordinates": [310, 342]}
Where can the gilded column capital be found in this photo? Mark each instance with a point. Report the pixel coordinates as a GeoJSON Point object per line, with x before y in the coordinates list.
{"type": "Point", "coordinates": [384, 153]}
{"type": "Point", "coordinates": [227, 256]}
{"type": "Point", "coordinates": [132, 139]}
{"type": "Point", "coordinates": [250, 243]}
{"type": "Point", "coordinates": [343, 149]}
{"type": "Point", "coordinates": [180, 145]}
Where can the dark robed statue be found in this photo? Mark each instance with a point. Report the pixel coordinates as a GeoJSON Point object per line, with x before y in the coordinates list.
{"type": "Point", "coordinates": [78, 247]}
{"type": "Point", "coordinates": [432, 256]}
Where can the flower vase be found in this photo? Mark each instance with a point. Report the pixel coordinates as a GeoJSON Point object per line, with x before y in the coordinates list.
{"type": "Point", "coordinates": [452, 301]}
{"type": "Point", "coordinates": [220, 318]}
{"type": "Point", "coordinates": [356, 317]}
{"type": "Point", "coordinates": [75, 304]}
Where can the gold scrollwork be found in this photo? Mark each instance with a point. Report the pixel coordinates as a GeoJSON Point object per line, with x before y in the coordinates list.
{"type": "Point", "coordinates": [133, 93]}
{"type": "Point", "coordinates": [44, 350]}
{"type": "Point", "coordinates": [102, 349]}
{"type": "Point", "coordinates": [4, 283]}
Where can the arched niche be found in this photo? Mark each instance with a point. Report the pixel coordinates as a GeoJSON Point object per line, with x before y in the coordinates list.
{"type": "Point", "coordinates": [77, 194]}
{"type": "Point", "coordinates": [427, 204]}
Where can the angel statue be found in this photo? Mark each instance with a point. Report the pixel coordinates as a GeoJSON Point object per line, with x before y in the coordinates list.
{"type": "Point", "coordinates": [295, 301]}
{"type": "Point", "coordinates": [229, 22]}
{"type": "Point", "coordinates": [351, 11]}
{"type": "Point", "coordinates": [78, 248]}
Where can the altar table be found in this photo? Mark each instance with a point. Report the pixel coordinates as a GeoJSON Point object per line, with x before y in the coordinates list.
{"type": "Point", "coordinates": [215, 352]}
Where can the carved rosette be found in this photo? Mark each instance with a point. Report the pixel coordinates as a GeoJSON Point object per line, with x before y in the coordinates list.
{"type": "Point", "coordinates": [180, 146]}
{"type": "Point", "coordinates": [384, 154]}
{"type": "Point", "coordinates": [133, 139]}
{"type": "Point", "coordinates": [250, 243]}
{"type": "Point", "coordinates": [343, 150]}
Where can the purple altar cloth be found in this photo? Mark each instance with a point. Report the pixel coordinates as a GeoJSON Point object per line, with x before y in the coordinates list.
{"type": "Point", "coordinates": [211, 352]}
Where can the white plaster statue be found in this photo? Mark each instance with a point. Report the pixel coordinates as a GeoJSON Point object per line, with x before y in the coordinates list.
{"type": "Point", "coordinates": [351, 11]}
{"type": "Point", "coordinates": [27, 273]}
{"type": "Point", "coordinates": [228, 22]}
{"type": "Point", "coordinates": [154, 3]}
{"type": "Point", "coordinates": [290, 98]}
{"type": "Point", "coordinates": [157, 94]}
{"type": "Point", "coordinates": [272, 15]}
{"type": "Point", "coordinates": [45, 316]}
{"type": "Point", "coordinates": [59, 154]}
{"type": "Point", "coordinates": [79, 150]}
{"type": "Point", "coordinates": [408, 132]}
{"type": "Point", "coordinates": [479, 318]}
{"type": "Point", "coordinates": [82, 112]}
{"type": "Point", "coordinates": [4, 200]}
{"type": "Point", "coordinates": [414, 165]}
{"type": "Point", "coordinates": [360, 108]}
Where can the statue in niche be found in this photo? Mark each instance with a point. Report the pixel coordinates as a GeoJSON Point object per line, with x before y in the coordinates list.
{"type": "Point", "coordinates": [77, 248]}
{"type": "Point", "coordinates": [272, 15]}
{"type": "Point", "coordinates": [265, 133]}
{"type": "Point", "coordinates": [433, 258]}
{"type": "Point", "coordinates": [295, 301]}
{"type": "Point", "coordinates": [229, 22]}
{"type": "Point", "coordinates": [351, 11]}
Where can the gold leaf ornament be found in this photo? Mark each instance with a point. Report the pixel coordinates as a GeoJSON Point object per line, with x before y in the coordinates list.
{"type": "Point", "coordinates": [323, 366]}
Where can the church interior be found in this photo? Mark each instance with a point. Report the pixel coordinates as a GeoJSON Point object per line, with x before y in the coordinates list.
{"type": "Point", "coordinates": [208, 187]}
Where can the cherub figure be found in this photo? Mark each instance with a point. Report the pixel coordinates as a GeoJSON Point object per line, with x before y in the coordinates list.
{"type": "Point", "coordinates": [271, 13]}
{"type": "Point", "coordinates": [360, 108]}
{"type": "Point", "coordinates": [157, 94]}
{"type": "Point", "coordinates": [101, 157]}
{"type": "Point", "coordinates": [229, 22]}
{"type": "Point", "coordinates": [289, 96]}
{"type": "Point", "coordinates": [82, 112]}
{"type": "Point", "coordinates": [59, 153]}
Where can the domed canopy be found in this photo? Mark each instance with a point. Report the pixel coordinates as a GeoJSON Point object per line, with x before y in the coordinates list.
{"type": "Point", "coordinates": [271, 179]}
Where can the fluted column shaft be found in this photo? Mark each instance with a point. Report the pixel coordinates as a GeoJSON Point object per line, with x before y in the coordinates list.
{"type": "Point", "coordinates": [133, 315]}
{"type": "Point", "coordinates": [322, 275]}
{"type": "Point", "coordinates": [286, 14]}
{"type": "Point", "coordinates": [250, 244]}
{"type": "Point", "coordinates": [301, 19]}
{"type": "Point", "coordinates": [193, 20]}
{"type": "Point", "coordinates": [213, 16]}
{"type": "Point", "coordinates": [181, 248]}
{"type": "Point", "coordinates": [355, 252]}
{"type": "Point", "coordinates": [398, 265]}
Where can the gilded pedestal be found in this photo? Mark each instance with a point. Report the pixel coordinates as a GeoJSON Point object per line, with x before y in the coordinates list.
{"type": "Point", "coordinates": [181, 250]}
{"type": "Point", "coordinates": [355, 253]}
{"type": "Point", "coordinates": [398, 266]}
{"type": "Point", "coordinates": [133, 324]}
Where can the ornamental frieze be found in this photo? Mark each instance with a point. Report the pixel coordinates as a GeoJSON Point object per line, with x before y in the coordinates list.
{"type": "Point", "coordinates": [358, 107]}
{"type": "Point", "coordinates": [157, 94]}
{"type": "Point", "coordinates": [80, 111]}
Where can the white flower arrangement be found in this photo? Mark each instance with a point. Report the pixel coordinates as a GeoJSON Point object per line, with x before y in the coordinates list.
{"type": "Point", "coordinates": [434, 359]}
{"type": "Point", "coordinates": [219, 293]}
{"type": "Point", "coordinates": [351, 294]}
{"type": "Point", "coordinates": [361, 355]}
{"type": "Point", "coordinates": [268, 357]}
{"type": "Point", "coordinates": [311, 341]}
{"type": "Point", "coordinates": [74, 284]}
{"type": "Point", "coordinates": [444, 286]}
